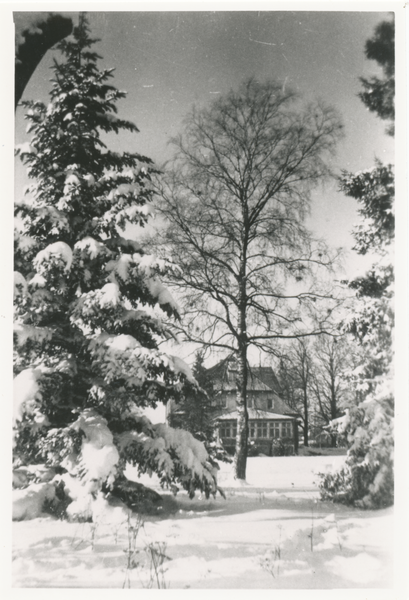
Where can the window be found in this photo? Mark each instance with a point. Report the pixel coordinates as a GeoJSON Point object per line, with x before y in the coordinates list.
{"type": "Point", "coordinates": [252, 430]}
{"type": "Point", "coordinates": [222, 401]}
{"type": "Point", "coordinates": [250, 402]}
{"type": "Point", "coordinates": [262, 429]}
{"type": "Point", "coordinates": [270, 402]}
{"type": "Point", "coordinates": [225, 430]}
{"type": "Point", "coordinates": [275, 430]}
{"type": "Point", "coordinates": [286, 430]}
{"type": "Point", "coordinates": [228, 430]}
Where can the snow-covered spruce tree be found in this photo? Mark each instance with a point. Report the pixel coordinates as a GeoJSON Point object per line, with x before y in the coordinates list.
{"type": "Point", "coordinates": [196, 412]}
{"type": "Point", "coordinates": [87, 360]}
{"type": "Point", "coordinates": [368, 479]}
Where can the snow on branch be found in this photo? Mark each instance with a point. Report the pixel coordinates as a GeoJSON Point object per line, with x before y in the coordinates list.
{"type": "Point", "coordinates": [59, 251]}
{"type": "Point", "coordinates": [151, 265]}
{"type": "Point", "coordinates": [144, 317]}
{"type": "Point", "coordinates": [20, 284]}
{"type": "Point", "coordinates": [120, 267]}
{"type": "Point", "coordinates": [128, 268]}
{"type": "Point", "coordinates": [26, 396]}
{"type": "Point", "coordinates": [90, 247]}
{"type": "Point", "coordinates": [47, 216]}
{"type": "Point", "coordinates": [25, 333]}
{"type": "Point", "coordinates": [122, 355]}
{"type": "Point", "coordinates": [172, 453]}
{"type": "Point", "coordinates": [160, 293]}
{"type": "Point", "coordinates": [179, 366]}
{"type": "Point", "coordinates": [110, 295]}
{"type": "Point", "coordinates": [99, 456]}
{"type": "Point", "coordinates": [25, 148]}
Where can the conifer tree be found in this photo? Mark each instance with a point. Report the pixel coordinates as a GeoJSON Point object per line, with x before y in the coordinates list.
{"type": "Point", "coordinates": [379, 93]}
{"type": "Point", "coordinates": [196, 412]}
{"type": "Point", "coordinates": [88, 301]}
{"type": "Point", "coordinates": [368, 425]}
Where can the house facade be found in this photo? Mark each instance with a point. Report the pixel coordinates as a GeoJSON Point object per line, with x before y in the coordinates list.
{"type": "Point", "coordinates": [273, 426]}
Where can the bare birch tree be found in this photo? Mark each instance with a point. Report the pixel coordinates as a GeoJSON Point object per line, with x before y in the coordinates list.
{"type": "Point", "coordinates": [234, 199]}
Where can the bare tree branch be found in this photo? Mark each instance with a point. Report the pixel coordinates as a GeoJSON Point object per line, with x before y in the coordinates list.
{"type": "Point", "coordinates": [234, 199]}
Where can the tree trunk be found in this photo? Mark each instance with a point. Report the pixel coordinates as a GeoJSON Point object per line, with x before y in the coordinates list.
{"type": "Point", "coordinates": [295, 436]}
{"type": "Point", "coordinates": [240, 457]}
{"type": "Point", "coordinates": [334, 413]}
{"type": "Point", "coordinates": [306, 424]}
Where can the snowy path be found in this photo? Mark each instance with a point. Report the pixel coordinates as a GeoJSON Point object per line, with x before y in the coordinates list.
{"type": "Point", "coordinates": [260, 537]}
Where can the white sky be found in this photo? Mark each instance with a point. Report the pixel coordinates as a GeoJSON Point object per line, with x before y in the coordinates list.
{"type": "Point", "coordinates": [167, 61]}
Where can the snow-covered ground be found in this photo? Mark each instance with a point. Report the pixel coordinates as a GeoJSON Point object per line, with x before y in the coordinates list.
{"type": "Point", "coordinates": [271, 532]}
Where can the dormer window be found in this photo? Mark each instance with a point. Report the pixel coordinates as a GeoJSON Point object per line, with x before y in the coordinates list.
{"type": "Point", "coordinates": [221, 399]}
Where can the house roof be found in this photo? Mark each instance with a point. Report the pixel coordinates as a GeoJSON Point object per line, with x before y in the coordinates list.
{"type": "Point", "coordinates": [253, 384]}
{"type": "Point", "coordinates": [255, 414]}
{"type": "Point", "coordinates": [260, 379]}
{"type": "Point", "coordinates": [225, 372]}
{"type": "Point", "coordinates": [267, 376]}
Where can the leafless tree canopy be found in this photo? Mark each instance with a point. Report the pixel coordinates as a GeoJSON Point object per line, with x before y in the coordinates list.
{"type": "Point", "coordinates": [234, 198]}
